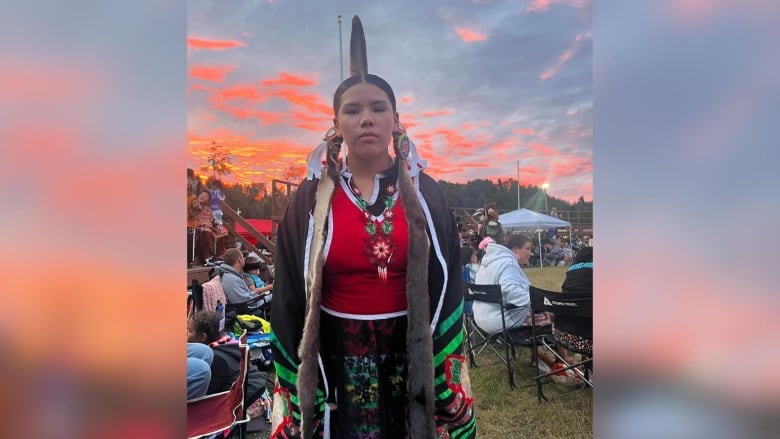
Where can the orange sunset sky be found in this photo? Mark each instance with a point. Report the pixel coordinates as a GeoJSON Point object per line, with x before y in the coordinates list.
{"type": "Point", "coordinates": [479, 85]}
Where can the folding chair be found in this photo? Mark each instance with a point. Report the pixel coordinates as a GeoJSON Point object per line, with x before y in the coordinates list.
{"type": "Point", "coordinates": [212, 292]}
{"type": "Point", "coordinates": [573, 305]}
{"type": "Point", "coordinates": [489, 294]}
{"type": "Point", "coordinates": [249, 307]}
{"type": "Point", "coordinates": [210, 414]}
{"type": "Point", "coordinates": [471, 329]}
{"type": "Point", "coordinates": [536, 324]}
{"type": "Point", "coordinates": [195, 298]}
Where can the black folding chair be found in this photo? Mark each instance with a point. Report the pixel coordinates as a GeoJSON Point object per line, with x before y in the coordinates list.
{"type": "Point", "coordinates": [573, 305]}
{"type": "Point", "coordinates": [194, 298]}
{"type": "Point", "coordinates": [473, 332]}
{"type": "Point", "coordinates": [489, 294]}
{"type": "Point", "coordinates": [233, 310]}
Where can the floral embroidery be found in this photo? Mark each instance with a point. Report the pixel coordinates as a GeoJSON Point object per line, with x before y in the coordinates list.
{"type": "Point", "coordinates": [379, 247]}
{"type": "Point", "coordinates": [460, 409]}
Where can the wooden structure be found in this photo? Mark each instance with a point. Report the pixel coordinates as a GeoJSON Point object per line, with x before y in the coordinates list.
{"type": "Point", "coordinates": [231, 219]}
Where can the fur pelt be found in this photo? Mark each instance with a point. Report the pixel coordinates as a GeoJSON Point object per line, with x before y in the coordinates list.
{"type": "Point", "coordinates": [419, 341]}
{"type": "Point", "coordinates": [308, 350]}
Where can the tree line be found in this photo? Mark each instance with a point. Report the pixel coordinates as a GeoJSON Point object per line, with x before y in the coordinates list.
{"type": "Point", "coordinates": [254, 200]}
{"type": "Point", "coordinates": [476, 193]}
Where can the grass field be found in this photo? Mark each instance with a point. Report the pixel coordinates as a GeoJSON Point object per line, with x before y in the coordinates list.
{"type": "Point", "coordinates": [505, 413]}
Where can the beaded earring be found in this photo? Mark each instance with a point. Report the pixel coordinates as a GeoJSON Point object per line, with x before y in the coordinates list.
{"type": "Point", "coordinates": [334, 141]}
{"type": "Point", "coordinates": [401, 142]}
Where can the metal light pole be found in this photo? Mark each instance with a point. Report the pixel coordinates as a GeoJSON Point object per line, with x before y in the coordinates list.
{"type": "Point", "coordinates": [518, 185]}
{"type": "Point", "coordinates": [544, 188]}
{"type": "Point", "coordinates": [341, 54]}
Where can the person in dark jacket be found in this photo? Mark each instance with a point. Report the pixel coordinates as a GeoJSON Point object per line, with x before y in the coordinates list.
{"type": "Point", "coordinates": [576, 333]}
{"type": "Point", "coordinates": [203, 328]}
{"type": "Point", "coordinates": [368, 294]}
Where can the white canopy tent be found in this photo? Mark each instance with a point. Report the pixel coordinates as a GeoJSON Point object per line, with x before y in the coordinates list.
{"type": "Point", "coordinates": [524, 219]}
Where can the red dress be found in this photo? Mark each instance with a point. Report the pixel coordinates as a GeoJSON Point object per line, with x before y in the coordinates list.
{"type": "Point", "coordinates": [363, 324]}
{"type": "Point", "coordinates": [351, 282]}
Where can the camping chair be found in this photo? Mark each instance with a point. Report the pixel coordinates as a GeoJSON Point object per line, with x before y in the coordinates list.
{"type": "Point", "coordinates": [212, 292]}
{"type": "Point", "coordinates": [535, 324]}
{"type": "Point", "coordinates": [489, 294]}
{"type": "Point", "coordinates": [233, 310]}
{"type": "Point", "coordinates": [195, 298]}
{"type": "Point", "coordinates": [210, 414]}
{"type": "Point", "coordinates": [573, 305]}
{"type": "Point", "coordinates": [472, 330]}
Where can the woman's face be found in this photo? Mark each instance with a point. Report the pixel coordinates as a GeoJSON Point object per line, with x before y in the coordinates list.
{"type": "Point", "coordinates": [474, 259]}
{"type": "Point", "coordinates": [204, 198]}
{"type": "Point", "coordinates": [366, 120]}
{"type": "Point", "coordinates": [523, 254]}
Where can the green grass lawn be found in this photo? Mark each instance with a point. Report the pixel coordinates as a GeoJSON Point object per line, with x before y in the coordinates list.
{"type": "Point", "coordinates": [505, 413]}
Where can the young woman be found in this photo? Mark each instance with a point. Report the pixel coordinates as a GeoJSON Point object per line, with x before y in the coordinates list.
{"type": "Point", "coordinates": [367, 321]}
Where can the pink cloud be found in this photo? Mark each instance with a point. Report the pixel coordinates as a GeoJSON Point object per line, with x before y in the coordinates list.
{"type": "Point", "coordinates": [309, 101]}
{"type": "Point", "coordinates": [289, 79]}
{"type": "Point", "coordinates": [470, 36]}
{"type": "Point", "coordinates": [249, 92]}
{"type": "Point", "coordinates": [211, 73]}
{"type": "Point", "coordinates": [409, 121]}
{"type": "Point", "coordinates": [543, 149]}
{"type": "Point", "coordinates": [456, 141]}
{"type": "Point", "coordinates": [315, 123]}
{"type": "Point", "coordinates": [563, 58]}
{"type": "Point", "coordinates": [406, 99]}
{"type": "Point", "coordinates": [524, 131]}
{"type": "Point", "coordinates": [543, 5]}
{"type": "Point", "coordinates": [206, 44]}
{"type": "Point", "coordinates": [234, 99]}
{"type": "Point", "coordinates": [265, 117]}
{"type": "Point", "coordinates": [445, 112]}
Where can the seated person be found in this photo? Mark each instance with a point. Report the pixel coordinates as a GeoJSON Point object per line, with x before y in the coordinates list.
{"type": "Point", "coordinates": [573, 335]}
{"type": "Point", "coordinates": [536, 254]}
{"type": "Point", "coordinates": [469, 260]}
{"type": "Point", "coordinates": [252, 266]}
{"type": "Point", "coordinates": [203, 329]}
{"type": "Point", "coordinates": [500, 265]}
{"type": "Point", "coordinates": [236, 289]}
{"type": "Point", "coordinates": [576, 333]}
{"type": "Point", "coordinates": [555, 254]}
{"type": "Point", "coordinates": [199, 359]}
{"type": "Point", "coordinates": [568, 253]}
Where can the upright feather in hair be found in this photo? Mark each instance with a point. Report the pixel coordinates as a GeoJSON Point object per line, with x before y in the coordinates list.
{"type": "Point", "coordinates": [358, 59]}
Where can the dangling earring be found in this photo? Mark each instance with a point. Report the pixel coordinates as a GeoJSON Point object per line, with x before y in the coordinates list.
{"type": "Point", "coordinates": [334, 140]}
{"type": "Point", "coordinates": [400, 142]}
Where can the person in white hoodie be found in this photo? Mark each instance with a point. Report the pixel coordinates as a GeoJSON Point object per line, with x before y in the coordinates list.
{"type": "Point", "coordinates": [501, 265]}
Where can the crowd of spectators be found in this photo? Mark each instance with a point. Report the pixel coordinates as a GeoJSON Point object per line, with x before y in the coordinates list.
{"type": "Point", "coordinates": [489, 255]}
{"type": "Point", "coordinates": [205, 233]}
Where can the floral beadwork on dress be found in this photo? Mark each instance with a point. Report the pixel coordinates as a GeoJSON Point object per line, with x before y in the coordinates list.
{"type": "Point", "coordinates": [379, 246]}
